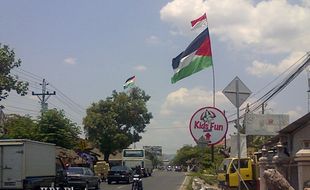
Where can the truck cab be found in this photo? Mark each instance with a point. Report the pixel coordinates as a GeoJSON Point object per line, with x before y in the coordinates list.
{"type": "Point", "coordinates": [228, 173]}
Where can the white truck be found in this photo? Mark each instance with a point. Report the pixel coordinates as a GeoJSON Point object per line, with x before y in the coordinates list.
{"type": "Point", "coordinates": [29, 165]}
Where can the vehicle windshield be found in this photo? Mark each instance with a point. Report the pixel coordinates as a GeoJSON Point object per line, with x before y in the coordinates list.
{"type": "Point", "coordinates": [224, 165]}
{"type": "Point", "coordinates": [133, 153]}
{"type": "Point", "coordinates": [75, 170]}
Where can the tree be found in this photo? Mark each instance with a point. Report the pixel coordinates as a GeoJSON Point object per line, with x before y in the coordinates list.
{"type": "Point", "coordinates": [115, 123]}
{"type": "Point", "coordinates": [20, 127]}
{"type": "Point", "coordinates": [155, 160]}
{"type": "Point", "coordinates": [55, 128]}
{"type": "Point", "coordinates": [8, 81]}
{"type": "Point", "coordinates": [196, 156]}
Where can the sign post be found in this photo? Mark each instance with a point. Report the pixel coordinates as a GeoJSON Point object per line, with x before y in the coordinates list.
{"type": "Point", "coordinates": [237, 93]}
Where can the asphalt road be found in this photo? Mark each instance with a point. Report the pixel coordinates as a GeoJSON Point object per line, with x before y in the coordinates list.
{"type": "Point", "coordinates": [160, 180]}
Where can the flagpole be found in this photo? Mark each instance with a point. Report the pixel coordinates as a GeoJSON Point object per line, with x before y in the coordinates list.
{"type": "Point", "coordinates": [213, 85]}
{"type": "Point", "coordinates": [213, 75]}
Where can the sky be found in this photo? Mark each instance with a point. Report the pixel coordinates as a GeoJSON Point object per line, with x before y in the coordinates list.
{"type": "Point", "coordinates": [87, 49]}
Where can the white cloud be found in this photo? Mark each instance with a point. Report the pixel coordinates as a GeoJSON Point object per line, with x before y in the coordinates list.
{"type": "Point", "coordinates": [180, 12]}
{"type": "Point", "coordinates": [140, 68]}
{"type": "Point", "coordinates": [271, 26]}
{"type": "Point", "coordinates": [188, 100]}
{"type": "Point", "coordinates": [70, 61]}
{"type": "Point", "coordinates": [295, 114]}
{"type": "Point", "coordinates": [153, 40]}
{"type": "Point", "coordinates": [306, 3]}
{"type": "Point", "coordinates": [261, 69]}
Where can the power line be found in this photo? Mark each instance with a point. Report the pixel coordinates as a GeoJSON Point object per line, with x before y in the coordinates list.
{"type": "Point", "coordinates": [70, 100]}
{"type": "Point", "coordinates": [33, 80]}
{"type": "Point", "coordinates": [36, 77]}
{"type": "Point", "coordinates": [20, 108]}
{"type": "Point", "coordinates": [32, 75]}
{"type": "Point", "coordinates": [280, 86]}
{"type": "Point", "coordinates": [68, 105]}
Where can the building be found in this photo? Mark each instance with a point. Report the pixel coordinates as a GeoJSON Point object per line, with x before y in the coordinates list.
{"type": "Point", "coordinates": [294, 140]}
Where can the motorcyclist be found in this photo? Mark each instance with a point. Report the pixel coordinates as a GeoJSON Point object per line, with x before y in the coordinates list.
{"type": "Point", "coordinates": [138, 171]}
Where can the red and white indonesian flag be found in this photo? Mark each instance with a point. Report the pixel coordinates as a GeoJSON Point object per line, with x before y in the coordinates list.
{"type": "Point", "coordinates": [201, 21]}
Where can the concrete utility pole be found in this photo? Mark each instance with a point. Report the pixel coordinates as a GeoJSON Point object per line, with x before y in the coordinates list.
{"type": "Point", "coordinates": [44, 96]}
{"type": "Point", "coordinates": [308, 76]}
{"type": "Point", "coordinates": [2, 119]}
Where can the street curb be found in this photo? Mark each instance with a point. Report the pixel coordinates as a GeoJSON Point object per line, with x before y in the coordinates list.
{"type": "Point", "coordinates": [185, 182]}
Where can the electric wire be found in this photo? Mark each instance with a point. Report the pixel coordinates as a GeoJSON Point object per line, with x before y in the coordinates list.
{"type": "Point", "coordinates": [279, 87]}
{"type": "Point", "coordinates": [70, 100]}
{"type": "Point", "coordinates": [35, 80]}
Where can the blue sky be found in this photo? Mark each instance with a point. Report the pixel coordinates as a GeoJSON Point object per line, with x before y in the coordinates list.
{"type": "Point", "coordinates": [87, 49]}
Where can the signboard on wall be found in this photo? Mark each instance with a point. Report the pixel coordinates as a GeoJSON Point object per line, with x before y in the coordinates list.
{"type": "Point", "coordinates": [208, 125]}
{"type": "Point", "coordinates": [265, 124]}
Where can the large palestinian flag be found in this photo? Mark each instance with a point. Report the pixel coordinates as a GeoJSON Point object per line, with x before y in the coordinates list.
{"type": "Point", "coordinates": [197, 56]}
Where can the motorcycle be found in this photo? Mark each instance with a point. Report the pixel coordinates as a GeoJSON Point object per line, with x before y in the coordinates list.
{"type": "Point", "coordinates": [137, 183]}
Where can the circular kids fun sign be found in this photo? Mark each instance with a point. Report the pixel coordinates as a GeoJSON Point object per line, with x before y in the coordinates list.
{"type": "Point", "coordinates": [208, 125]}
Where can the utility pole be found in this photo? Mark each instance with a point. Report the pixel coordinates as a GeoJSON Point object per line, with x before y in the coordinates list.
{"type": "Point", "coordinates": [308, 76]}
{"type": "Point", "coordinates": [44, 96]}
{"type": "Point", "coordinates": [2, 119]}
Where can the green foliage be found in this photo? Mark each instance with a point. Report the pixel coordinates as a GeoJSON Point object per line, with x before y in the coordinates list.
{"type": "Point", "coordinates": [115, 123]}
{"type": "Point", "coordinates": [8, 81]}
{"type": "Point", "coordinates": [20, 127]}
{"type": "Point", "coordinates": [200, 158]}
{"type": "Point", "coordinates": [256, 141]}
{"type": "Point", "coordinates": [155, 160]}
{"type": "Point", "coordinates": [55, 128]}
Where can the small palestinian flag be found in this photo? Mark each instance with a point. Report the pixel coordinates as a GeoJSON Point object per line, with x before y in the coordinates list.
{"type": "Point", "coordinates": [130, 82]}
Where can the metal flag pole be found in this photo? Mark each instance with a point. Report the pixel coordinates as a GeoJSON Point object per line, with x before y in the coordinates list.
{"type": "Point", "coordinates": [212, 146]}
{"type": "Point", "coordinates": [213, 75]}
{"type": "Point", "coordinates": [213, 85]}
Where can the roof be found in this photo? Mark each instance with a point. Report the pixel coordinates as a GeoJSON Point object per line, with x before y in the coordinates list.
{"type": "Point", "coordinates": [296, 125]}
{"type": "Point", "coordinates": [21, 141]}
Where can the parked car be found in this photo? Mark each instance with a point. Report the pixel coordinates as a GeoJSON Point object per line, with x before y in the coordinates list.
{"type": "Point", "coordinates": [120, 173]}
{"type": "Point", "coordinates": [82, 178]}
{"type": "Point", "coordinates": [169, 168]}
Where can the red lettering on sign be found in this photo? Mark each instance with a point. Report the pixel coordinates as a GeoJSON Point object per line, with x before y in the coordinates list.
{"type": "Point", "coordinates": [206, 126]}
{"type": "Point", "coordinates": [201, 125]}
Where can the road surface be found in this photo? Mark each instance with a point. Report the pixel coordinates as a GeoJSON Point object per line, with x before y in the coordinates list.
{"type": "Point", "coordinates": [160, 180]}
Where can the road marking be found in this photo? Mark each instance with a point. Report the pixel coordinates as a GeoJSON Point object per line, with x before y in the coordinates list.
{"type": "Point", "coordinates": [120, 187]}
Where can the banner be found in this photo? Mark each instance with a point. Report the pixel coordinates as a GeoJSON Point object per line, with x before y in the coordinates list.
{"type": "Point", "coordinates": [265, 124]}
